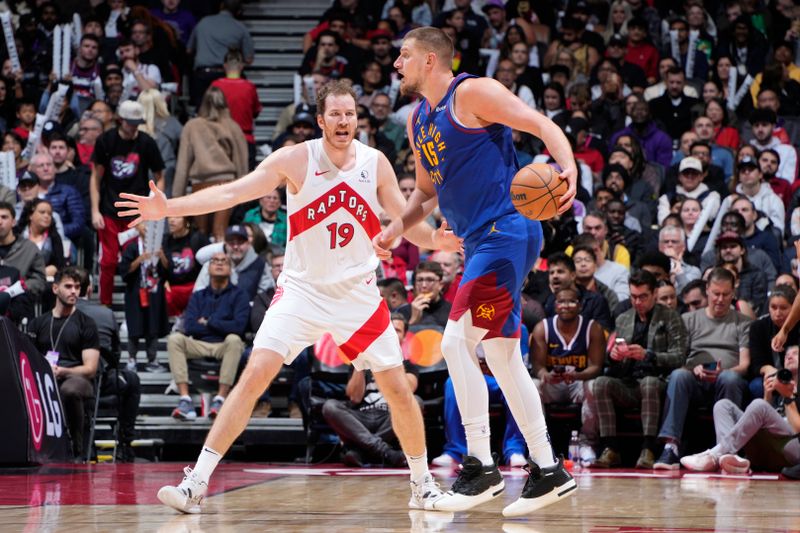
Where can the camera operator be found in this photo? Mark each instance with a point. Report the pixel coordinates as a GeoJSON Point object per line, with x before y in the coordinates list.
{"type": "Point", "coordinates": [776, 413]}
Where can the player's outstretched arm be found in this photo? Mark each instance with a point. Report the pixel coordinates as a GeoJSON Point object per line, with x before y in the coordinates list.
{"type": "Point", "coordinates": [420, 204]}
{"type": "Point", "coordinates": [269, 174]}
{"type": "Point", "coordinates": [506, 108]}
{"type": "Point", "coordinates": [421, 233]}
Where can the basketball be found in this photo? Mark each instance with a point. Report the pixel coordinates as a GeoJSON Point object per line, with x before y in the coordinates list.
{"type": "Point", "coordinates": [536, 191]}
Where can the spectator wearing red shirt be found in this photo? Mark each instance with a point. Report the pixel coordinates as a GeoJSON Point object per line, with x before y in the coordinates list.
{"type": "Point", "coordinates": [242, 99]}
{"type": "Point", "coordinates": [578, 127]}
{"type": "Point", "coordinates": [640, 51]}
{"type": "Point", "coordinates": [724, 134]}
{"type": "Point", "coordinates": [453, 268]}
{"type": "Point", "coordinates": [26, 114]}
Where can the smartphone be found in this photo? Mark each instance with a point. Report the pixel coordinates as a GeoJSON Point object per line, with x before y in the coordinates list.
{"type": "Point", "coordinates": [619, 341]}
{"type": "Point", "coordinates": [710, 366]}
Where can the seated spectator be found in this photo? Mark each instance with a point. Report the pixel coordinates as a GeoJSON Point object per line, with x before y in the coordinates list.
{"type": "Point", "coordinates": [38, 226]}
{"type": "Point", "coordinates": [363, 422]}
{"type": "Point", "coordinates": [66, 174]}
{"type": "Point", "coordinates": [143, 32]}
{"type": "Point", "coordinates": [381, 108]}
{"type": "Point", "coordinates": [213, 323]}
{"type": "Point", "coordinates": [690, 185]}
{"type": "Point", "coordinates": [693, 296]}
{"type": "Point", "coordinates": [181, 244]}
{"type": "Point", "coordinates": [618, 232]}
{"type": "Point", "coordinates": [394, 293]}
{"type": "Point", "coordinates": [737, 430]}
{"type": "Point", "coordinates": [657, 144]}
{"type": "Point", "coordinates": [752, 282]}
{"type": "Point", "coordinates": [760, 245]}
{"type": "Point", "coordinates": [120, 382]}
{"type": "Point", "coordinates": [752, 187]}
{"type": "Point", "coordinates": [560, 274]}
{"type": "Point", "coordinates": [595, 223]}
{"type": "Point", "coordinates": [22, 273]}
{"type": "Point", "coordinates": [763, 122]}
{"type": "Point", "coordinates": [271, 217]}
{"type": "Point", "coordinates": [137, 76]}
{"type": "Point", "coordinates": [610, 273]}
{"type": "Point", "coordinates": [713, 174]}
{"type": "Point", "coordinates": [649, 343]}
{"type": "Point", "coordinates": [325, 59]}
{"type": "Point", "coordinates": [428, 307]}
{"type": "Point", "coordinates": [372, 83]}
{"type": "Point", "coordinates": [700, 59]}
{"type": "Point", "coordinates": [12, 142]}
{"type": "Point", "coordinates": [585, 260]}
{"type": "Point", "coordinates": [617, 179]}
{"type": "Point", "coordinates": [658, 89]}
{"type": "Point", "coordinates": [26, 116]}
{"type": "Point", "coordinates": [369, 134]}
{"type": "Point", "coordinates": [506, 74]}
{"type": "Point", "coordinates": [70, 336]}
{"type": "Point", "coordinates": [725, 135]}
{"type": "Point", "coordinates": [769, 161]}
{"type": "Point", "coordinates": [763, 359]}
{"type": "Point", "coordinates": [693, 224]}
{"type": "Point", "coordinates": [212, 151]}
{"type": "Point", "coordinates": [66, 200]}
{"type": "Point", "coordinates": [672, 110]}
{"type": "Point", "coordinates": [102, 111]}
{"type": "Point", "coordinates": [567, 355]}
{"type": "Point", "coordinates": [718, 358]}
{"type": "Point", "coordinates": [453, 268]}
{"type": "Point", "coordinates": [640, 51]}
{"type": "Point", "coordinates": [144, 275]}
{"type": "Point", "coordinates": [250, 272]}
{"type": "Point", "coordinates": [666, 294]}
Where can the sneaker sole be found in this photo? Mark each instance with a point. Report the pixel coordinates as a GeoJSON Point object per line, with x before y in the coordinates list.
{"type": "Point", "coordinates": [181, 416]}
{"type": "Point", "coordinates": [524, 506]}
{"type": "Point", "coordinates": [460, 502]}
{"type": "Point", "coordinates": [665, 466]}
{"type": "Point", "coordinates": [171, 497]}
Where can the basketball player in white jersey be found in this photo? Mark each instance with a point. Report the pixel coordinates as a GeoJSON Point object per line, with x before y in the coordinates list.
{"type": "Point", "coordinates": [336, 187]}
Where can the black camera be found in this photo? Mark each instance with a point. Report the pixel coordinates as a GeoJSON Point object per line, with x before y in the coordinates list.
{"type": "Point", "coordinates": [784, 375]}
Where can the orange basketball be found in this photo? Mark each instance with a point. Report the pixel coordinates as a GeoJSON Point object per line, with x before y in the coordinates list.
{"type": "Point", "coordinates": [536, 191]}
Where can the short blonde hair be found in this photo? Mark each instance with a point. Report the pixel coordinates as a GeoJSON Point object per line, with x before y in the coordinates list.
{"type": "Point", "coordinates": [433, 40]}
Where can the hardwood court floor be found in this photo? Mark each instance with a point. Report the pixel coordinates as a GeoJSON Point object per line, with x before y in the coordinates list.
{"type": "Point", "coordinates": [258, 497]}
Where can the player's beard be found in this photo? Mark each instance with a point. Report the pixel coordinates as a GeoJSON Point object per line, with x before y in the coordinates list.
{"type": "Point", "coordinates": [407, 88]}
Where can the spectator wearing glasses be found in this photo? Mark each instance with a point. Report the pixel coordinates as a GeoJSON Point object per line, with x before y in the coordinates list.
{"type": "Point", "coordinates": [214, 322]}
{"type": "Point", "coordinates": [428, 307]}
{"type": "Point", "coordinates": [762, 249]}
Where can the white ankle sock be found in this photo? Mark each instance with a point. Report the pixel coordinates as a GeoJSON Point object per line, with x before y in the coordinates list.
{"type": "Point", "coordinates": [505, 361]}
{"type": "Point", "coordinates": [418, 465]}
{"type": "Point", "coordinates": [673, 446]}
{"type": "Point", "coordinates": [479, 440]}
{"type": "Point", "coordinates": [206, 463]}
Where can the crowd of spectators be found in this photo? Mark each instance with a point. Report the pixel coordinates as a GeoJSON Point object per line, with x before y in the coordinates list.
{"type": "Point", "coordinates": [684, 122]}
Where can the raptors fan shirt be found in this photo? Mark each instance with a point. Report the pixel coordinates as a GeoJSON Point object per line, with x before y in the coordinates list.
{"type": "Point", "coordinates": [127, 165]}
{"type": "Point", "coordinates": [333, 218]}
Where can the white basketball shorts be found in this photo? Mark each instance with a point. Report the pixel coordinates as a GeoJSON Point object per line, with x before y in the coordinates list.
{"type": "Point", "coordinates": [352, 312]}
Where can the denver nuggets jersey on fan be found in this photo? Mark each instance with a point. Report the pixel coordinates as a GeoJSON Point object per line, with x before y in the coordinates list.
{"type": "Point", "coordinates": [472, 170]}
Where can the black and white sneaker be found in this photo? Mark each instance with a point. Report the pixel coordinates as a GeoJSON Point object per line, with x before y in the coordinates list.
{"type": "Point", "coordinates": [545, 486]}
{"type": "Point", "coordinates": [475, 484]}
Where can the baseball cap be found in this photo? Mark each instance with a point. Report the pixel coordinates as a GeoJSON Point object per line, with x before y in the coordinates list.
{"type": "Point", "coordinates": [377, 35]}
{"type": "Point", "coordinates": [730, 236]}
{"type": "Point", "coordinates": [303, 117]}
{"type": "Point", "coordinates": [236, 230]}
{"type": "Point", "coordinates": [763, 115]}
{"type": "Point", "coordinates": [131, 112]}
{"type": "Point", "coordinates": [748, 161]}
{"type": "Point", "coordinates": [493, 4]}
{"type": "Point", "coordinates": [617, 40]}
{"type": "Point", "coordinates": [577, 124]}
{"type": "Point", "coordinates": [690, 163]}
{"type": "Point", "coordinates": [28, 178]}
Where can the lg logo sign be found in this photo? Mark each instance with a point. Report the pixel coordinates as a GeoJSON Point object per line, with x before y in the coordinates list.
{"type": "Point", "coordinates": [45, 417]}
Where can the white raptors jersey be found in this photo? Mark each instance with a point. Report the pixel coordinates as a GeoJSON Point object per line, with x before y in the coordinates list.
{"type": "Point", "coordinates": [333, 218]}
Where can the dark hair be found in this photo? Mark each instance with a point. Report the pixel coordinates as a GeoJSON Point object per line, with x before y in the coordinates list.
{"type": "Point", "coordinates": [720, 102]}
{"type": "Point", "coordinates": [85, 280]}
{"type": "Point", "coordinates": [555, 86]}
{"type": "Point", "coordinates": [583, 248]}
{"type": "Point", "coordinates": [656, 259]}
{"type": "Point", "coordinates": [560, 258]}
{"type": "Point", "coordinates": [25, 101]}
{"type": "Point", "coordinates": [692, 285]}
{"type": "Point", "coordinates": [429, 266]}
{"type": "Point", "coordinates": [29, 208]}
{"type": "Point", "coordinates": [571, 288]}
{"type": "Point", "coordinates": [598, 214]}
{"type": "Point", "coordinates": [125, 41]}
{"type": "Point", "coordinates": [8, 207]}
{"type": "Point", "coordinates": [738, 216]}
{"type": "Point", "coordinates": [260, 243]}
{"type": "Point", "coordinates": [784, 291]}
{"type": "Point", "coordinates": [641, 277]}
{"type": "Point", "coordinates": [71, 272]}
{"type": "Point", "coordinates": [771, 151]}
{"type": "Point", "coordinates": [234, 55]}
{"type": "Point", "coordinates": [394, 285]}
{"type": "Point", "coordinates": [335, 88]}
{"type": "Point", "coordinates": [90, 37]}
{"type": "Point", "coordinates": [584, 239]}
{"type": "Point", "coordinates": [705, 144]}
{"type": "Point", "coordinates": [721, 274]}
{"type": "Point", "coordinates": [401, 318]}
{"type": "Point", "coordinates": [674, 71]}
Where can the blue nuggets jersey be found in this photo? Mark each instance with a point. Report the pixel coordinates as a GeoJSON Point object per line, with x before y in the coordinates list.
{"type": "Point", "coordinates": [575, 352]}
{"type": "Point", "coordinates": [471, 168]}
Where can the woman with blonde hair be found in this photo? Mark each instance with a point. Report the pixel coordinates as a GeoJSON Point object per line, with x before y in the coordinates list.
{"type": "Point", "coordinates": [163, 128]}
{"type": "Point", "coordinates": [618, 16]}
{"type": "Point", "coordinates": [213, 151]}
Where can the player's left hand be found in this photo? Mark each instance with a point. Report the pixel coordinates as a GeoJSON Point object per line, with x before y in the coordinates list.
{"type": "Point", "coordinates": [571, 175]}
{"type": "Point", "coordinates": [445, 240]}
{"type": "Point", "coordinates": [384, 241]}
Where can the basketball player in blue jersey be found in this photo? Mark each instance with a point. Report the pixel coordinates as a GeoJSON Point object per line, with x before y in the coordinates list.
{"type": "Point", "coordinates": [461, 132]}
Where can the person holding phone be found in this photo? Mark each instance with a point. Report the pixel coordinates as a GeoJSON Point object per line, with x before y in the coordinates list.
{"type": "Point", "coordinates": [717, 363]}
{"type": "Point", "coordinates": [650, 342]}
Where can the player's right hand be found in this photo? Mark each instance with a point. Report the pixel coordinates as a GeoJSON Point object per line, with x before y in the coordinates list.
{"type": "Point", "coordinates": [153, 207]}
{"type": "Point", "coordinates": [571, 175]}
{"type": "Point", "coordinates": [383, 241]}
